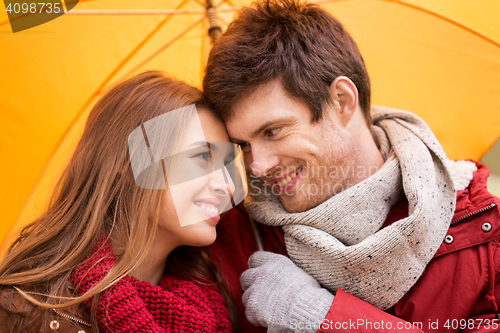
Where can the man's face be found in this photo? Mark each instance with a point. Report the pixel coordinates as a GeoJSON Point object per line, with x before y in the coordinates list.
{"type": "Point", "coordinates": [303, 163]}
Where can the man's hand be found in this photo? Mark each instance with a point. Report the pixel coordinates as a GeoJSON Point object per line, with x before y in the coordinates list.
{"type": "Point", "coordinates": [281, 296]}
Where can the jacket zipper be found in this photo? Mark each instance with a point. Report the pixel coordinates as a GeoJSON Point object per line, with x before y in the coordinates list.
{"type": "Point", "coordinates": [490, 206]}
{"type": "Point", "coordinates": [72, 318]}
{"type": "Point", "coordinates": [278, 240]}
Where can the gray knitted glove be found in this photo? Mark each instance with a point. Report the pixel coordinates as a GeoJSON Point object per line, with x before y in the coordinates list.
{"type": "Point", "coordinates": [281, 296]}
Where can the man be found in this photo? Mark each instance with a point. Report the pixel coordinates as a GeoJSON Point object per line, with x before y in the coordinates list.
{"type": "Point", "coordinates": [359, 198]}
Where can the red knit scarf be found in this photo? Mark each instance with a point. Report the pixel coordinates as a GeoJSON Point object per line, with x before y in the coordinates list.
{"type": "Point", "coordinates": [130, 305]}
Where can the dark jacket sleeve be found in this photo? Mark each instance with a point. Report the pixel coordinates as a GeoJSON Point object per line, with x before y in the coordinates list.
{"type": "Point", "coordinates": [38, 319]}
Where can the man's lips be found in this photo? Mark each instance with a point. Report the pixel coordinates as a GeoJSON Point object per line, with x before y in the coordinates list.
{"type": "Point", "coordinates": [287, 181]}
{"type": "Point", "coordinates": [278, 179]}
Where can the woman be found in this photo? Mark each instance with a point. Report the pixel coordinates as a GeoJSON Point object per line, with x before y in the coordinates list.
{"type": "Point", "coordinates": [118, 250]}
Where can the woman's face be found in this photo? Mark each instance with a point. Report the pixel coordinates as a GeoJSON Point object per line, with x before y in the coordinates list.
{"type": "Point", "coordinates": [199, 186]}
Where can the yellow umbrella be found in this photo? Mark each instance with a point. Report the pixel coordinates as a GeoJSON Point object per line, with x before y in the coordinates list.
{"type": "Point", "coordinates": [439, 59]}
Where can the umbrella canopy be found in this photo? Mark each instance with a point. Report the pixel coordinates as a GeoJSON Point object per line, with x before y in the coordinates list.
{"type": "Point", "coordinates": [438, 59]}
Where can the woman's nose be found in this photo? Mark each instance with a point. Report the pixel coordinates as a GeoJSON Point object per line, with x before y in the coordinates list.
{"type": "Point", "coordinates": [221, 182]}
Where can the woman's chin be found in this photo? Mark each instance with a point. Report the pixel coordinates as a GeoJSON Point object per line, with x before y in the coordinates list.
{"type": "Point", "coordinates": [203, 233]}
{"type": "Point", "coordinates": [207, 238]}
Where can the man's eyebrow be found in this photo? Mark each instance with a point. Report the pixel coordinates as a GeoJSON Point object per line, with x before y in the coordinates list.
{"type": "Point", "coordinates": [236, 141]}
{"type": "Point", "coordinates": [264, 127]}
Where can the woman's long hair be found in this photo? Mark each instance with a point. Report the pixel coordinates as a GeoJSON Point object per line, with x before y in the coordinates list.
{"type": "Point", "coordinates": [96, 195]}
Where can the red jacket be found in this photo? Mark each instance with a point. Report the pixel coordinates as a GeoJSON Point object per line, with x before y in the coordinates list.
{"type": "Point", "coordinates": [458, 291]}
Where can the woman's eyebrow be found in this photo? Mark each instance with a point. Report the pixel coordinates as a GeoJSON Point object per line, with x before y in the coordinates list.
{"type": "Point", "coordinates": [199, 144]}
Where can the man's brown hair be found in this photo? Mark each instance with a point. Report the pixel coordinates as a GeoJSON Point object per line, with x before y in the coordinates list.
{"type": "Point", "coordinates": [299, 43]}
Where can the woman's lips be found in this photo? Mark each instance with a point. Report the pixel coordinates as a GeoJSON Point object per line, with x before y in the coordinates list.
{"type": "Point", "coordinates": [209, 207]}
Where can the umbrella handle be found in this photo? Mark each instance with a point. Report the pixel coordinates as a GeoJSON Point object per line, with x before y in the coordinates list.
{"type": "Point", "coordinates": [256, 235]}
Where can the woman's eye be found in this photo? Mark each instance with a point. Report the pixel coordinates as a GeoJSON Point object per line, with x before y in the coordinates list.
{"type": "Point", "coordinates": [205, 156]}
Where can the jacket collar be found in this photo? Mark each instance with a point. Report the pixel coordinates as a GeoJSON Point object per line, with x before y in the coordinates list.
{"type": "Point", "coordinates": [475, 207]}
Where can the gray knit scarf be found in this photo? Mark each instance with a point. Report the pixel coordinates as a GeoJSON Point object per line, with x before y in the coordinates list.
{"type": "Point", "coordinates": [340, 243]}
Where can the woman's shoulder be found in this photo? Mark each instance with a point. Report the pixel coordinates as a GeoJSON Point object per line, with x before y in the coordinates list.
{"type": "Point", "coordinates": [17, 314]}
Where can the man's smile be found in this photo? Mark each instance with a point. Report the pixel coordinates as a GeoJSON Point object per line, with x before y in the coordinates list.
{"type": "Point", "coordinates": [286, 182]}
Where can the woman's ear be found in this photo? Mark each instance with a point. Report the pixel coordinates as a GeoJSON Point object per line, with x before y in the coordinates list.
{"type": "Point", "coordinates": [344, 97]}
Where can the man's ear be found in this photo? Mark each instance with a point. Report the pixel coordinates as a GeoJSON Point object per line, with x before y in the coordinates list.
{"type": "Point", "coordinates": [344, 97]}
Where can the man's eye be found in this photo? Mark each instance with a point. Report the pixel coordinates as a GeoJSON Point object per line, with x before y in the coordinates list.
{"type": "Point", "coordinates": [273, 131]}
{"type": "Point", "coordinates": [245, 147]}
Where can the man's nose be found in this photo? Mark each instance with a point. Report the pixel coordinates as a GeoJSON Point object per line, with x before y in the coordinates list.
{"type": "Point", "coordinates": [262, 161]}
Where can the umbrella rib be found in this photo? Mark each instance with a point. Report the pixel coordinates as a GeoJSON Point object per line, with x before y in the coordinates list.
{"type": "Point", "coordinates": [475, 32]}
{"type": "Point", "coordinates": [197, 11]}
{"type": "Point", "coordinates": [63, 3]}
{"type": "Point", "coordinates": [166, 45]}
{"type": "Point", "coordinates": [131, 54]}
{"type": "Point", "coordinates": [204, 5]}
{"type": "Point", "coordinates": [90, 99]}
{"type": "Point", "coordinates": [399, 2]}
{"type": "Point", "coordinates": [135, 11]}
{"type": "Point", "coordinates": [220, 18]}
{"type": "Point", "coordinates": [203, 49]}
{"type": "Point", "coordinates": [220, 3]}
